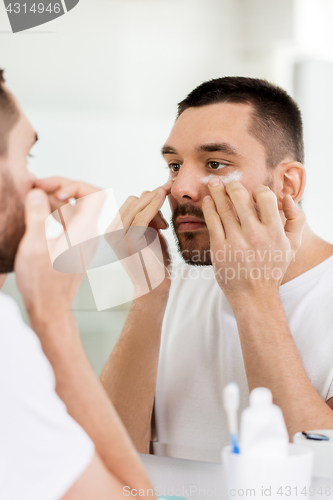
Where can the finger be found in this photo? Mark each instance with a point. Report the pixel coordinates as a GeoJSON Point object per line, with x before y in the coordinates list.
{"type": "Point", "coordinates": [50, 184]}
{"type": "Point", "coordinates": [295, 222]}
{"type": "Point", "coordinates": [127, 212]}
{"type": "Point", "coordinates": [133, 206]}
{"type": "Point", "coordinates": [168, 185]}
{"type": "Point", "coordinates": [53, 185]}
{"type": "Point", "coordinates": [213, 222]}
{"type": "Point", "coordinates": [64, 189]}
{"type": "Point", "coordinates": [223, 205]}
{"type": "Point", "coordinates": [117, 222]}
{"type": "Point", "coordinates": [159, 222]}
{"type": "Point", "coordinates": [131, 211]}
{"type": "Point", "coordinates": [241, 200]}
{"type": "Point", "coordinates": [145, 216]}
{"type": "Point", "coordinates": [75, 190]}
{"type": "Point", "coordinates": [37, 209]}
{"type": "Point", "coordinates": [149, 216]}
{"type": "Point", "coordinates": [55, 203]}
{"type": "Point", "coordinates": [266, 202]}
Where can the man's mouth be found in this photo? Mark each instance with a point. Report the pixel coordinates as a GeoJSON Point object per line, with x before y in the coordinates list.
{"type": "Point", "coordinates": [190, 224]}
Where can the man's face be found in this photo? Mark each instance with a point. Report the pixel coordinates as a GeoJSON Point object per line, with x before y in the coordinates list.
{"type": "Point", "coordinates": [15, 182]}
{"type": "Point", "coordinates": [208, 140]}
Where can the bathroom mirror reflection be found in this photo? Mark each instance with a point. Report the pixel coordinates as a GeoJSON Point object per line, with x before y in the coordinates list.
{"type": "Point", "coordinates": [142, 60]}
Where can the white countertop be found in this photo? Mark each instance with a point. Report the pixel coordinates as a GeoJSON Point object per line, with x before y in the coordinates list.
{"type": "Point", "coordinates": [185, 478]}
{"type": "Point", "coordinates": [204, 481]}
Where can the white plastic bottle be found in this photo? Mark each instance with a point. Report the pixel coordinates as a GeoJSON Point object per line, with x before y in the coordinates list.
{"type": "Point", "coordinates": [263, 431]}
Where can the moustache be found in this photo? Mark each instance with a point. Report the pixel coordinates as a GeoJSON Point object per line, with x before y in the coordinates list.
{"type": "Point", "coordinates": [186, 209]}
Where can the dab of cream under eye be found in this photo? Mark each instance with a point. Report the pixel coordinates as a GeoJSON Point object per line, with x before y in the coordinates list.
{"type": "Point", "coordinates": [233, 176]}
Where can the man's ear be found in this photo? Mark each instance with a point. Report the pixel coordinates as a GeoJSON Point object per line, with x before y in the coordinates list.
{"type": "Point", "coordinates": [292, 180]}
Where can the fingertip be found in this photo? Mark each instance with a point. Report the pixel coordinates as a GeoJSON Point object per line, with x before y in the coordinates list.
{"type": "Point", "coordinates": [168, 185]}
{"type": "Point", "coordinates": [162, 225]}
{"type": "Point", "coordinates": [289, 203]}
{"type": "Point", "coordinates": [62, 195]}
{"type": "Point", "coordinates": [207, 199]}
{"type": "Point", "coordinates": [46, 183]}
{"type": "Point", "coordinates": [41, 180]}
{"type": "Point", "coordinates": [36, 197]}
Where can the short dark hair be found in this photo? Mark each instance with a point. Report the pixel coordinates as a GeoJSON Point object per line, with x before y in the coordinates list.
{"type": "Point", "coordinates": [8, 115]}
{"type": "Point", "coordinates": [277, 120]}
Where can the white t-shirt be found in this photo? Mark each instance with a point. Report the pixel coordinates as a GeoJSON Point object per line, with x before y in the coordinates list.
{"type": "Point", "coordinates": [201, 353]}
{"type": "Point", "coordinates": [43, 451]}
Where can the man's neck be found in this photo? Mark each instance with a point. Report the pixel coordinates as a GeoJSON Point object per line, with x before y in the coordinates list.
{"type": "Point", "coordinates": [313, 251]}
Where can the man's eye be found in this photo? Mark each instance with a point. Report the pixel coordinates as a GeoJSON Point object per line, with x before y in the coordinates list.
{"type": "Point", "coordinates": [174, 167]}
{"type": "Point", "coordinates": [216, 165]}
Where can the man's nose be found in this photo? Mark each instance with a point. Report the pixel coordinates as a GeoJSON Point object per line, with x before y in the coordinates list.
{"type": "Point", "coordinates": [187, 184]}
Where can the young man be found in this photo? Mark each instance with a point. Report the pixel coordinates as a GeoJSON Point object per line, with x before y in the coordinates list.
{"type": "Point", "coordinates": [60, 435]}
{"type": "Point", "coordinates": [261, 315]}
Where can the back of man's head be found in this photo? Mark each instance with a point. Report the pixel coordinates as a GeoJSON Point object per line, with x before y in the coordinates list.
{"type": "Point", "coordinates": [9, 115]}
{"type": "Point", "coordinates": [276, 118]}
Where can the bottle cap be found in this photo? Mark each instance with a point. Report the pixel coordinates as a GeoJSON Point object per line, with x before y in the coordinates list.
{"type": "Point", "coordinates": [261, 398]}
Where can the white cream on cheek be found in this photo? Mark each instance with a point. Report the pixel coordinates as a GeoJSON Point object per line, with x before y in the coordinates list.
{"type": "Point", "coordinates": [233, 176]}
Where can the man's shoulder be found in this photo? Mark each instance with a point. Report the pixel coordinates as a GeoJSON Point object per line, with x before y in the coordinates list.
{"type": "Point", "coordinates": [318, 277]}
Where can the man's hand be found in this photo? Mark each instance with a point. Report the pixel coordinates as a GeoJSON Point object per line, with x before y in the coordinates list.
{"type": "Point", "coordinates": [260, 243]}
{"type": "Point", "coordinates": [45, 291]}
{"type": "Point", "coordinates": [250, 247]}
{"type": "Point", "coordinates": [126, 235]}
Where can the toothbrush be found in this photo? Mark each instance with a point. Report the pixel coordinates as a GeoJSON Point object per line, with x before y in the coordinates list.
{"type": "Point", "coordinates": [231, 404]}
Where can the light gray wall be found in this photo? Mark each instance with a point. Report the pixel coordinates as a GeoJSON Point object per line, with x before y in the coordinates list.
{"type": "Point", "coordinates": [313, 90]}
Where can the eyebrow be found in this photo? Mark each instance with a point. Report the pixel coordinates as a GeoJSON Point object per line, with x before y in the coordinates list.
{"type": "Point", "coordinates": [168, 150]}
{"type": "Point", "coordinates": [223, 147]}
